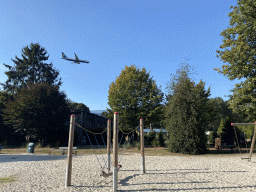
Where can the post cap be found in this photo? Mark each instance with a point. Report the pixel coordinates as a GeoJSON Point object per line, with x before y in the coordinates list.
{"type": "Point", "coordinates": [231, 124]}
{"type": "Point", "coordinates": [116, 113]}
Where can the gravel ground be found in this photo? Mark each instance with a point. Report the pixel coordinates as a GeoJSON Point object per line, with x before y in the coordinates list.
{"type": "Point", "coordinates": [37, 172]}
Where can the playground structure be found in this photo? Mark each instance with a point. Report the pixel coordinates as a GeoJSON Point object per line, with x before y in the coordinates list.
{"type": "Point", "coordinates": [116, 166]}
{"type": "Point", "coordinates": [253, 139]}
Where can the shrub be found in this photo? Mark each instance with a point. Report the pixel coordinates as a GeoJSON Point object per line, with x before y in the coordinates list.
{"type": "Point", "coordinates": [161, 139]}
{"type": "Point", "coordinates": [137, 144]}
{"type": "Point", "coordinates": [151, 136]}
{"type": "Point", "coordinates": [154, 143]}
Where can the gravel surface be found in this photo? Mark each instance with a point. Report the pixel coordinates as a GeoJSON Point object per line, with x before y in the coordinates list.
{"type": "Point", "coordinates": [37, 172]}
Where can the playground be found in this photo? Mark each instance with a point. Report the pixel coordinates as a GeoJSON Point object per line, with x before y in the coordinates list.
{"type": "Point", "coordinates": [123, 166]}
{"type": "Point", "coordinates": [43, 172]}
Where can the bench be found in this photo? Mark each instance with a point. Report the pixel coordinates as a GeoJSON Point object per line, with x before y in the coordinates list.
{"type": "Point", "coordinates": [66, 148]}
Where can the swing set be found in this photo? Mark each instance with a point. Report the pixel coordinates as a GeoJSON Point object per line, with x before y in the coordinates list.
{"type": "Point", "coordinates": [253, 139]}
{"type": "Point", "coordinates": [110, 148]}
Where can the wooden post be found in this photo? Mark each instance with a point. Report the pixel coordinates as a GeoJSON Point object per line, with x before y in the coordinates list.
{"type": "Point", "coordinates": [115, 150]}
{"type": "Point", "coordinates": [252, 143]}
{"type": "Point", "coordinates": [109, 143]}
{"type": "Point", "coordinates": [70, 150]}
{"type": "Point", "coordinates": [142, 146]}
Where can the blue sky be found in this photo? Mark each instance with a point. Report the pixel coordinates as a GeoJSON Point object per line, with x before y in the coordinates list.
{"type": "Point", "coordinates": [114, 34]}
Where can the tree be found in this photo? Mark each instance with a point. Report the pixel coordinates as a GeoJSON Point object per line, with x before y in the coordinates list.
{"type": "Point", "coordinates": [78, 106]}
{"type": "Point", "coordinates": [134, 96]}
{"type": "Point", "coordinates": [6, 132]}
{"type": "Point", "coordinates": [240, 38]}
{"type": "Point", "coordinates": [30, 68]}
{"type": "Point", "coordinates": [229, 138]}
{"type": "Point", "coordinates": [38, 109]}
{"type": "Point", "coordinates": [161, 139]}
{"type": "Point", "coordinates": [242, 54]}
{"type": "Point", "coordinates": [222, 110]}
{"type": "Point", "coordinates": [187, 114]}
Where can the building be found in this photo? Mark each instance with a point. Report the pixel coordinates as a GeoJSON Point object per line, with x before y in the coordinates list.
{"type": "Point", "coordinates": [87, 120]}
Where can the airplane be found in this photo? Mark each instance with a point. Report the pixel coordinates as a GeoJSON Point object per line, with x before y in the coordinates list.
{"type": "Point", "coordinates": [76, 60]}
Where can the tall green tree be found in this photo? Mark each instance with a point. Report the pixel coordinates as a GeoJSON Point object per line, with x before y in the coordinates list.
{"type": "Point", "coordinates": [187, 115]}
{"type": "Point", "coordinates": [241, 55]}
{"type": "Point", "coordinates": [38, 109]}
{"type": "Point", "coordinates": [134, 95]}
{"type": "Point", "coordinates": [31, 68]}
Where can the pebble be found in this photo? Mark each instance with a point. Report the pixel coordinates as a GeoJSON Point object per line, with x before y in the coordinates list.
{"type": "Point", "coordinates": [163, 173]}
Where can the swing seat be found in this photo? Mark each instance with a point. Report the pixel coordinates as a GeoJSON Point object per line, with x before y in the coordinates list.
{"type": "Point", "coordinates": [104, 174]}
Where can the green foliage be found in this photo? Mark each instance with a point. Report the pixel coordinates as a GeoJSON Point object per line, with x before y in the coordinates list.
{"type": "Point", "coordinates": [129, 146]}
{"type": "Point", "coordinates": [226, 131]}
{"type": "Point", "coordinates": [30, 69]}
{"type": "Point", "coordinates": [151, 136]}
{"type": "Point", "coordinates": [78, 106]}
{"type": "Point", "coordinates": [242, 49]}
{"type": "Point", "coordinates": [38, 109]}
{"type": "Point", "coordinates": [5, 130]}
{"type": "Point", "coordinates": [239, 51]}
{"type": "Point", "coordinates": [154, 143]}
{"type": "Point", "coordinates": [222, 110]}
{"type": "Point", "coordinates": [187, 115]}
{"type": "Point", "coordinates": [221, 127]}
{"type": "Point", "coordinates": [137, 145]}
{"type": "Point", "coordinates": [212, 136]}
{"type": "Point", "coordinates": [161, 139]}
{"type": "Point", "coordinates": [134, 96]}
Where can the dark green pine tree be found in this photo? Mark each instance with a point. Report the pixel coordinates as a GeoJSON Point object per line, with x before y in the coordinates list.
{"type": "Point", "coordinates": [31, 68]}
{"type": "Point", "coordinates": [187, 115]}
{"type": "Point", "coordinates": [222, 131]}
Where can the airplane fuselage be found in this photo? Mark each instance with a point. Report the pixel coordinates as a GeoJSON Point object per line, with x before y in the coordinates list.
{"type": "Point", "coordinates": [78, 61]}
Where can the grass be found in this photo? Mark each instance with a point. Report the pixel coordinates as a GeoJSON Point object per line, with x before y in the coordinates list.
{"type": "Point", "coordinates": [149, 151]}
{"type": "Point", "coordinates": [7, 179]}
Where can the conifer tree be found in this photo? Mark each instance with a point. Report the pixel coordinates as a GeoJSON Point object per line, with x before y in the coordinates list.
{"type": "Point", "coordinates": [31, 68]}
{"type": "Point", "coordinates": [187, 115]}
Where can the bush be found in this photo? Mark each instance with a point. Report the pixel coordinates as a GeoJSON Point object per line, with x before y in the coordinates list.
{"type": "Point", "coordinates": [137, 144]}
{"type": "Point", "coordinates": [161, 139]}
{"type": "Point", "coordinates": [149, 137]}
{"type": "Point", "coordinates": [154, 143]}
{"type": "Point", "coordinates": [129, 146]}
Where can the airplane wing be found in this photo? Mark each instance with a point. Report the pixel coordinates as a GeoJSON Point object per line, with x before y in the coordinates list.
{"type": "Point", "coordinates": [76, 57]}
